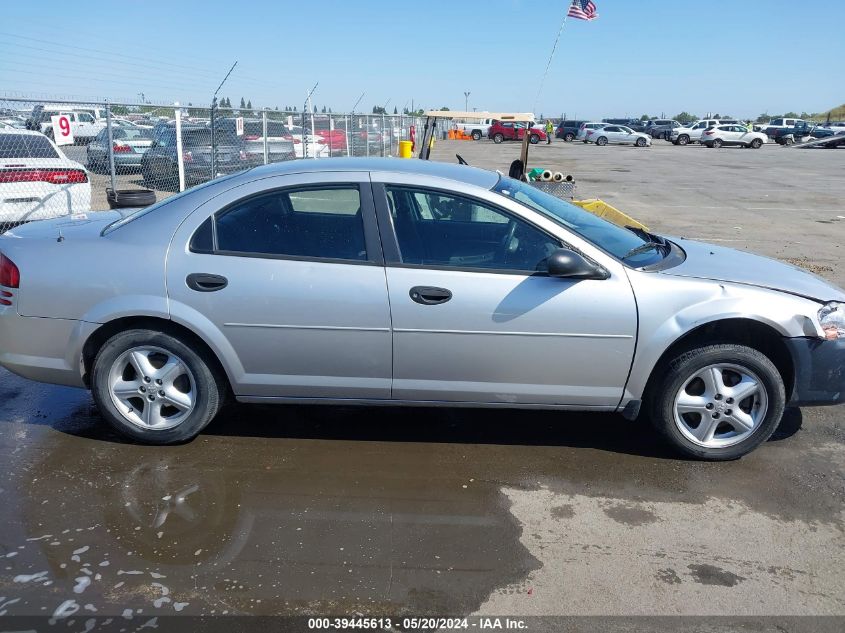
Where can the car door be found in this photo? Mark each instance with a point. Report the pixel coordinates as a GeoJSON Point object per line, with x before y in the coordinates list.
{"type": "Point", "coordinates": [286, 276]}
{"type": "Point", "coordinates": [476, 320]}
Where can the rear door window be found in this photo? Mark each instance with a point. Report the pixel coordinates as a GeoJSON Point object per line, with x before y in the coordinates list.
{"type": "Point", "coordinates": [324, 223]}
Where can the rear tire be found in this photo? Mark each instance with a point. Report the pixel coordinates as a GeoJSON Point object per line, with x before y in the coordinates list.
{"type": "Point", "coordinates": [114, 374]}
{"type": "Point", "coordinates": [498, 138]}
{"type": "Point", "coordinates": [717, 142]}
{"type": "Point", "coordinates": [676, 380]}
{"type": "Point", "coordinates": [476, 135]}
{"type": "Point", "coordinates": [569, 137]}
{"type": "Point", "coordinates": [533, 139]}
{"type": "Point", "coordinates": [602, 141]}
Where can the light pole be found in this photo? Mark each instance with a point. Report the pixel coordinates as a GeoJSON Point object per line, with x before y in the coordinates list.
{"type": "Point", "coordinates": [467, 93]}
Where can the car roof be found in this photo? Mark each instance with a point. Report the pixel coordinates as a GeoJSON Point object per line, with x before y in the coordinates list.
{"type": "Point", "coordinates": [462, 173]}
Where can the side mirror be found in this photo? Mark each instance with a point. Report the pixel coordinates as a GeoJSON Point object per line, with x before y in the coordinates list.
{"type": "Point", "coordinates": [571, 265]}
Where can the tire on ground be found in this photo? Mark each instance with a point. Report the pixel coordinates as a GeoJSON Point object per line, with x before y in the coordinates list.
{"type": "Point", "coordinates": [673, 374]}
{"type": "Point", "coordinates": [209, 386]}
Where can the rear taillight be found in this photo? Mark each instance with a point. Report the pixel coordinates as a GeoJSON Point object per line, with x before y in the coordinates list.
{"type": "Point", "coordinates": [708, 133]}
{"type": "Point", "coordinates": [53, 176]}
{"type": "Point", "coordinates": [119, 148]}
{"type": "Point", "coordinates": [10, 276]}
{"type": "Point", "coordinates": [287, 137]}
{"type": "Point", "coordinates": [187, 157]}
{"type": "Point", "coordinates": [243, 155]}
{"type": "Point", "coordinates": [251, 137]}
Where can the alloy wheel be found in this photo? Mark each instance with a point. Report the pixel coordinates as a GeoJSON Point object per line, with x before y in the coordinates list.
{"type": "Point", "coordinates": [720, 405]}
{"type": "Point", "coordinates": [152, 388]}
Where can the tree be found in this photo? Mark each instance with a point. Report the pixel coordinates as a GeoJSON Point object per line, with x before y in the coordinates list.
{"type": "Point", "coordinates": [294, 108]}
{"type": "Point", "coordinates": [330, 110]}
{"type": "Point", "coordinates": [685, 117]}
{"type": "Point", "coordinates": [791, 115]}
{"type": "Point", "coordinates": [379, 110]}
{"type": "Point", "coordinates": [644, 117]}
{"type": "Point", "coordinates": [444, 109]}
{"type": "Point", "coordinates": [395, 110]}
{"type": "Point", "coordinates": [763, 118]}
{"type": "Point", "coordinates": [249, 105]}
{"type": "Point", "coordinates": [243, 103]}
{"type": "Point", "coordinates": [324, 109]}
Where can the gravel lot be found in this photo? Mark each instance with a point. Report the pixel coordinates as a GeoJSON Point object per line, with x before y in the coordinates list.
{"type": "Point", "coordinates": [304, 510]}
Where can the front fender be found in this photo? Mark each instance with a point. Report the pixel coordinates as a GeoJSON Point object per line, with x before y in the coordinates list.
{"type": "Point", "coordinates": [671, 307]}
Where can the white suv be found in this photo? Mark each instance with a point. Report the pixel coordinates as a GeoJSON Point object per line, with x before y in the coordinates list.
{"type": "Point", "coordinates": [692, 134]}
{"type": "Point", "coordinates": [586, 128]}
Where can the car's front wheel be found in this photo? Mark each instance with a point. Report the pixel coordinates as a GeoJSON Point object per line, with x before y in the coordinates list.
{"type": "Point", "coordinates": [717, 402]}
{"type": "Point", "coordinates": [153, 388]}
{"type": "Point", "coordinates": [534, 139]}
{"type": "Point", "coordinates": [756, 143]}
{"type": "Point", "coordinates": [602, 140]}
{"type": "Point", "coordinates": [569, 137]}
{"type": "Point", "coordinates": [498, 138]}
{"type": "Point", "coordinates": [641, 142]}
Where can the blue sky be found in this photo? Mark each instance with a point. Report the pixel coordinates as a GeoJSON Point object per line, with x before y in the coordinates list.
{"type": "Point", "coordinates": [640, 56]}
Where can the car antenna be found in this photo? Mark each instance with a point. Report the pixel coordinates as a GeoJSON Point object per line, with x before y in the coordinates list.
{"type": "Point", "coordinates": [61, 237]}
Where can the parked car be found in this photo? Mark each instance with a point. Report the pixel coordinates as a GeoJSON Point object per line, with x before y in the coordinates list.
{"type": "Point", "coordinates": [661, 128]}
{"type": "Point", "coordinates": [568, 130]}
{"type": "Point", "coordinates": [509, 131]}
{"type": "Point", "coordinates": [129, 145]}
{"type": "Point", "coordinates": [160, 165]}
{"type": "Point", "coordinates": [457, 285]}
{"type": "Point", "coordinates": [312, 146]}
{"type": "Point", "coordinates": [732, 135]}
{"type": "Point", "coordinates": [83, 124]}
{"type": "Point", "coordinates": [37, 181]}
{"type": "Point", "coordinates": [280, 141]}
{"type": "Point", "coordinates": [477, 129]}
{"type": "Point", "coordinates": [837, 138]}
{"type": "Point", "coordinates": [585, 128]}
{"type": "Point", "coordinates": [619, 135]}
{"type": "Point", "coordinates": [692, 134]}
{"type": "Point", "coordinates": [12, 123]}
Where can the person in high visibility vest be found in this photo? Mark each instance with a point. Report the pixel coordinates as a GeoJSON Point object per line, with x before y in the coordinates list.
{"type": "Point", "coordinates": [550, 130]}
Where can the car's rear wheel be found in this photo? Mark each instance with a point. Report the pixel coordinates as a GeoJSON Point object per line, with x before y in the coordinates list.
{"type": "Point", "coordinates": [717, 142]}
{"type": "Point", "coordinates": [640, 142]}
{"type": "Point", "coordinates": [498, 138]}
{"type": "Point", "coordinates": [717, 402]}
{"type": "Point", "coordinates": [534, 139]}
{"type": "Point", "coordinates": [756, 143]}
{"type": "Point", "coordinates": [602, 140]}
{"type": "Point", "coordinates": [153, 388]}
{"type": "Point", "coordinates": [476, 135]}
{"type": "Point", "coordinates": [569, 137]}
{"type": "Point", "coordinates": [683, 139]}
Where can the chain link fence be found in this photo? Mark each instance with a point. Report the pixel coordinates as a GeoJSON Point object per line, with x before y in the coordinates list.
{"type": "Point", "coordinates": [68, 157]}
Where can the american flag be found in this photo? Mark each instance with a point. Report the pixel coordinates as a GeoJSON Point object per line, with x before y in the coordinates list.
{"type": "Point", "coordinates": [582, 10]}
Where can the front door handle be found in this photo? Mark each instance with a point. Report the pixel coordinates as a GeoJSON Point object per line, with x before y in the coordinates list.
{"type": "Point", "coordinates": [205, 282]}
{"type": "Point", "coordinates": [429, 295]}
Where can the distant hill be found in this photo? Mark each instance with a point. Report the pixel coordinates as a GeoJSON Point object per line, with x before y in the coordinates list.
{"type": "Point", "coordinates": [836, 114]}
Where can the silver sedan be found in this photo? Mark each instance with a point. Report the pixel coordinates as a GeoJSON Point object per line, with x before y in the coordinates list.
{"type": "Point", "coordinates": [411, 283]}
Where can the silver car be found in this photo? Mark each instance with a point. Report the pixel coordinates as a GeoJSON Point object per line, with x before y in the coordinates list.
{"type": "Point", "coordinates": [411, 283]}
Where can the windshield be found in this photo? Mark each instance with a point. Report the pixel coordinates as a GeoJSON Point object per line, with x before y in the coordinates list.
{"type": "Point", "coordinates": [616, 240]}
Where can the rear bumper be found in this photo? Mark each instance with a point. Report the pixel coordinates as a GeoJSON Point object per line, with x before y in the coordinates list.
{"type": "Point", "coordinates": [819, 371]}
{"type": "Point", "coordinates": [46, 350]}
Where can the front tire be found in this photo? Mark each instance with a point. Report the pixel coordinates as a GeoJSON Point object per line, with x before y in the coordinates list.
{"type": "Point", "coordinates": [717, 402]}
{"type": "Point", "coordinates": [534, 139]}
{"type": "Point", "coordinates": [640, 142]}
{"type": "Point", "coordinates": [153, 388]}
{"type": "Point", "coordinates": [756, 144]}
{"type": "Point", "coordinates": [569, 137]}
{"type": "Point", "coordinates": [683, 139]}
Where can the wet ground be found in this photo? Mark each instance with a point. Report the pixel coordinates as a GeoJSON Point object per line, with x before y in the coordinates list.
{"type": "Point", "coordinates": [315, 510]}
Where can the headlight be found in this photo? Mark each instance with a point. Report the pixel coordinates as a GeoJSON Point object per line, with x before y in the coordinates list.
{"type": "Point", "coordinates": [832, 320]}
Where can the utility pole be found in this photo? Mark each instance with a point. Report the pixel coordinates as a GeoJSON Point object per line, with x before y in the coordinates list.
{"type": "Point", "coordinates": [467, 93]}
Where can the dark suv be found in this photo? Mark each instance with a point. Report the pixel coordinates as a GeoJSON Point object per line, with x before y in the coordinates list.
{"type": "Point", "coordinates": [568, 130]}
{"type": "Point", "coordinates": [160, 166]}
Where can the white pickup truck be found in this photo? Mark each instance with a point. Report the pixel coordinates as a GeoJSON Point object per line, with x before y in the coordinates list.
{"type": "Point", "coordinates": [82, 122]}
{"type": "Point", "coordinates": [477, 129]}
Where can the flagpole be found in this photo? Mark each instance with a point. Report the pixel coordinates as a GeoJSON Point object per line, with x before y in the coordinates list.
{"type": "Point", "coordinates": [549, 63]}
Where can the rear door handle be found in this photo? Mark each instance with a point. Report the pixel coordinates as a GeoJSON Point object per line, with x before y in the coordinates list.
{"type": "Point", "coordinates": [429, 295]}
{"type": "Point", "coordinates": [205, 282]}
